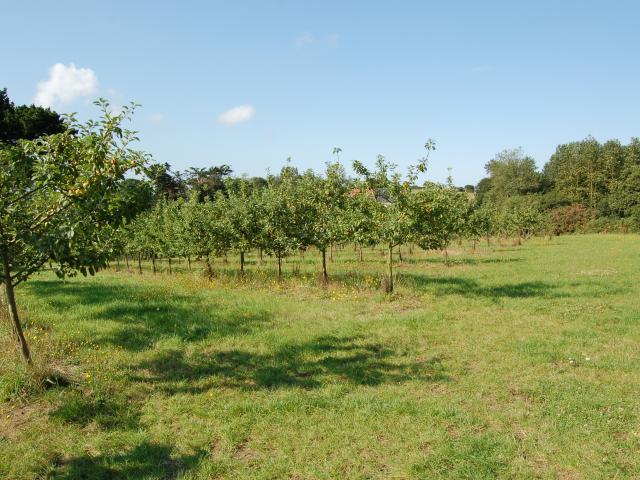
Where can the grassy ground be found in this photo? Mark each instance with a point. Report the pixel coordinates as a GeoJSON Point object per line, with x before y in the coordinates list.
{"type": "Point", "coordinates": [514, 362]}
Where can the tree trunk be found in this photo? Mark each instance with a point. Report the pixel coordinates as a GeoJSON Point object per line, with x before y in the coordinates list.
{"type": "Point", "coordinates": [446, 256]}
{"type": "Point", "coordinates": [126, 259]}
{"type": "Point", "coordinates": [325, 277]}
{"type": "Point", "coordinates": [13, 308]}
{"type": "Point", "coordinates": [242, 263]}
{"type": "Point", "coordinates": [474, 245]}
{"type": "Point", "coordinates": [170, 270]}
{"type": "Point", "coordinates": [331, 253]}
{"type": "Point", "coordinates": [361, 254]}
{"type": "Point", "coordinates": [140, 263]}
{"type": "Point", "coordinates": [189, 262]}
{"type": "Point", "coordinates": [279, 268]}
{"type": "Point", "coordinates": [389, 286]}
{"type": "Point", "coordinates": [260, 254]}
{"type": "Point", "coordinates": [399, 254]}
{"type": "Point", "coordinates": [488, 240]}
{"type": "Point", "coordinates": [117, 264]}
{"type": "Point", "coordinates": [153, 263]}
{"type": "Point", "coordinates": [209, 269]}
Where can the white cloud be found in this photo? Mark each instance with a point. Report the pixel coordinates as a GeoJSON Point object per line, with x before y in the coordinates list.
{"type": "Point", "coordinates": [305, 39]}
{"type": "Point", "coordinates": [241, 113]}
{"type": "Point", "coordinates": [156, 118]}
{"type": "Point", "coordinates": [65, 83]}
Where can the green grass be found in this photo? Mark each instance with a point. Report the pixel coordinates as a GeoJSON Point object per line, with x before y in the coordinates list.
{"type": "Point", "coordinates": [515, 362]}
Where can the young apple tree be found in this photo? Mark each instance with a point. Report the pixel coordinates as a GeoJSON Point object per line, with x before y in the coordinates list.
{"type": "Point", "coordinates": [205, 229]}
{"type": "Point", "coordinates": [327, 199]}
{"type": "Point", "coordinates": [389, 198]}
{"type": "Point", "coordinates": [242, 215]}
{"type": "Point", "coordinates": [283, 225]}
{"type": "Point", "coordinates": [439, 214]}
{"type": "Point", "coordinates": [55, 197]}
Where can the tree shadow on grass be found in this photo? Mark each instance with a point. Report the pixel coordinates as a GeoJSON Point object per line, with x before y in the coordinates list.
{"type": "Point", "coordinates": [107, 413]}
{"type": "Point", "coordinates": [461, 260]}
{"type": "Point", "coordinates": [147, 313]}
{"type": "Point", "coordinates": [470, 288]}
{"type": "Point", "coordinates": [114, 413]}
{"type": "Point", "coordinates": [146, 460]}
{"type": "Point", "coordinates": [308, 365]}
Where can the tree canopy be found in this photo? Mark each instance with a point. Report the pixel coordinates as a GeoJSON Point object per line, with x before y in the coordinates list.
{"type": "Point", "coordinates": [58, 200]}
{"type": "Point", "coordinates": [26, 122]}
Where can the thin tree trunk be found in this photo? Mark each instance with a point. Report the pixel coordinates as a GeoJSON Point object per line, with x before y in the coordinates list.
{"type": "Point", "coordinates": [325, 276]}
{"type": "Point", "coordinates": [474, 245]}
{"type": "Point", "coordinates": [170, 270]}
{"type": "Point", "coordinates": [446, 256]}
{"type": "Point", "coordinates": [399, 254]}
{"type": "Point", "coordinates": [13, 308]}
{"type": "Point", "coordinates": [260, 254]}
{"type": "Point", "coordinates": [126, 259]}
{"type": "Point", "coordinates": [488, 240]}
{"type": "Point", "coordinates": [331, 253]}
{"type": "Point", "coordinates": [153, 263]}
{"type": "Point", "coordinates": [361, 254]}
{"type": "Point", "coordinates": [140, 263]}
{"type": "Point", "coordinates": [209, 269]}
{"type": "Point", "coordinates": [242, 263]}
{"type": "Point", "coordinates": [117, 264]}
{"type": "Point", "coordinates": [189, 262]}
{"type": "Point", "coordinates": [389, 286]}
{"type": "Point", "coordinates": [279, 268]}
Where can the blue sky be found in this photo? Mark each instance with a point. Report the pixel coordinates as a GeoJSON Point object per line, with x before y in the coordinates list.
{"type": "Point", "coordinates": [370, 77]}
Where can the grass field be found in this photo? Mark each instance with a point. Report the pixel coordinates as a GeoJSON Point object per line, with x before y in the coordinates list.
{"type": "Point", "coordinates": [514, 362]}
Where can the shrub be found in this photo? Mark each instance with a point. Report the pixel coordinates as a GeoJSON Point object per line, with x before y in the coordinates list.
{"type": "Point", "coordinates": [569, 219]}
{"type": "Point", "coordinates": [611, 225]}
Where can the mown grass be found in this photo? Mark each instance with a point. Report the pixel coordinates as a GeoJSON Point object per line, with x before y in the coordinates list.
{"type": "Point", "coordinates": [514, 362]}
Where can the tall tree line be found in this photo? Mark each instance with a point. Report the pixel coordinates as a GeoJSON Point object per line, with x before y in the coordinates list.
{"type": "Point", "coordinates": [583, 183]}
